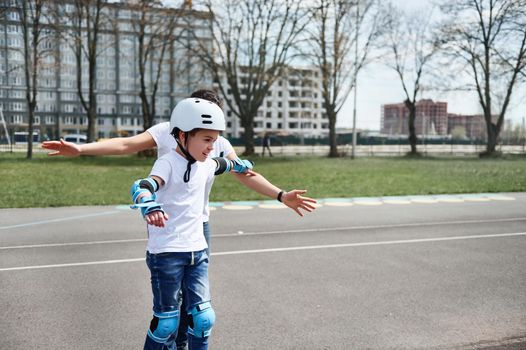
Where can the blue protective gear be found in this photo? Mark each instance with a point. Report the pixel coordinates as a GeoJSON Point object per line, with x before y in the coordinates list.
{"type": "Point", "coordinates": [163, 325]}
{"type": "Point", "coordinates": [237, 165]}
{"type": "Point", "coordinates": [148, 183]}
{"type": "Point", "coordinates": [242, 165]}
{"type": "Point", "coordinates": [203, 319]}
{"type": "Point", "coordinates": [146, 188]}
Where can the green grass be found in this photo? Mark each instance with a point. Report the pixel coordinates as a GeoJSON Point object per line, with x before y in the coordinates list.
{"type": "Point", "coordinates": [49, 181]}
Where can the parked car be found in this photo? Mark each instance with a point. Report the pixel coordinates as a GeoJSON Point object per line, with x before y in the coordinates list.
{"type": "Point", "coordinates": [75, 138]}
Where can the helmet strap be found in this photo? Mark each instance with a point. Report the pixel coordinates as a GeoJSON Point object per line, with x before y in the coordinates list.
{"type": "Point", "coordinates": [191, 160]}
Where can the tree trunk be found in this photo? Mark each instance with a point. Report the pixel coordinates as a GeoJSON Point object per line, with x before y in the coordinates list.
{"type": "Point", "coordinates": [248, 136]}
{"type": "Point", "coordinates": [30, 133]}
{"type": "Point", "coordinates": [92, 121]}
{"type": "Point", "coordinates": [491, 145]}
{"type": "Point", "coordinates": [411, 125]}
{"type": "Point", "coordinates": [333, 151]}
{"type": "Point", "coordinates": [148, 153]}
{"type": "Point", "coordinates": [147, 118]}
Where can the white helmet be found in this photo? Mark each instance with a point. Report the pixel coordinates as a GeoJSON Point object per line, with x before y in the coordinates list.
{"type": "Point", "coordinates": [193, 113]}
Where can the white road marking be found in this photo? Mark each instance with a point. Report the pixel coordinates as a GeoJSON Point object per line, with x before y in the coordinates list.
{"type": "Point", "coordinates": [59, 219]}
{"type": "Point", "coordinates": [372, 227]}
{"type": "Point", "coordinates": [362, 244]}
{"type": "Point", "coordinates": [284, 249]}
{"type": "Point", "coordinates": [324, 229]}
{"type": "Point", "coordinates": [49, 245]}
{"type": "Point", "coordinates": [237, 207]}
{"type": "Point", "coordinates": [338, 204]}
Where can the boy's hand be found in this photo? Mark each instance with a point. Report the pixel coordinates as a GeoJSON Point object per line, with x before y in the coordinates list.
{"type": "Point", "coordinates": [156, 218]}
{"type": "Point", "coordinates": [294, 201]}
{"type": "Point", "coordinates": [62, 148]}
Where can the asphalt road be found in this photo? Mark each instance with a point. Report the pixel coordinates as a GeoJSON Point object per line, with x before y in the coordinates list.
{"type": "Point", "coordinates": [440, 275]}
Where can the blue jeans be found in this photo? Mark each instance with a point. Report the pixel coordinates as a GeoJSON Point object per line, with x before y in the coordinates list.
{"type": "Point", "coordinates": [171, 272]}
{"type": "Point", "coordinates": [182, 333]}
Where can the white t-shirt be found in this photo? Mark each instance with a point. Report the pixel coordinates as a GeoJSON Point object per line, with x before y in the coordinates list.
{"type": "Point", "coordinates": [166, 142]}
{"type": "Point", "coordinates": [183, 202]}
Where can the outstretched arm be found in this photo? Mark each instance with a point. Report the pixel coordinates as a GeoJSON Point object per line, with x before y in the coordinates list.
{"type": "Point", "coordinates": [114, 146]}
{"type": "Point", "coordinates": [292, 199]}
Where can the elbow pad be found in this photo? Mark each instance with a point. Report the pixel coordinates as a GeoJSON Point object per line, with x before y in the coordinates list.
{"type": "Point", "coordinates": [143, 186]}
{"type": "Point", "coordinates": [146, 187]}
{"type": "Point", "coordinates": [237, 165]}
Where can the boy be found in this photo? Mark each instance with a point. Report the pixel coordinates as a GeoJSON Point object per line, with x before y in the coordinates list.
{"type": "Point", "coordinates": [176, 251]}
{"type": "Point", "coordinates": [159, 136]}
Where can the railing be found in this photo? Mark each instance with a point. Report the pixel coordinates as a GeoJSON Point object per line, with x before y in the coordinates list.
{"type": "Point", "coordinates": [346, 150]}
{"type": "Point", "coordinates": [386, 150]}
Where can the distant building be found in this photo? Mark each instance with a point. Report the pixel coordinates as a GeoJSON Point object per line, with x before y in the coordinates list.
{"type": "Point", "coordinates": [472, 127]}
{"type": "Point", "coordinates": [293, 105]}
{"type": "Point", "coordinates": [431, 118]}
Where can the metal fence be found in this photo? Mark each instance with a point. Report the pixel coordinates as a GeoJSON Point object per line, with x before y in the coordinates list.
{"type": "Point", "coordinates": [346, 150]}
{"type": "Point", "coordinates": [387, 150]}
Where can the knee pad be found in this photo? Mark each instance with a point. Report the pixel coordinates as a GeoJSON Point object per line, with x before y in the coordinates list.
{"type": "Point", "coordinates": [202, 320]}
{"type": "Point", "coordinates": [163, 325]}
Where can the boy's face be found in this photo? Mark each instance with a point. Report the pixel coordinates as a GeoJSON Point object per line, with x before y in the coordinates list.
{"type": "Point", "coordinates": [201, 143]}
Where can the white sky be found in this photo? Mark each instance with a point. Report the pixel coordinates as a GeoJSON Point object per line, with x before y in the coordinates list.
{"type": "Point", "coordinates": [379, 85]}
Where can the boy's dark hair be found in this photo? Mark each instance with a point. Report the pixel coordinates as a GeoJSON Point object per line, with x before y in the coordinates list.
{"type": "Point", "coordinates": [209, 95]}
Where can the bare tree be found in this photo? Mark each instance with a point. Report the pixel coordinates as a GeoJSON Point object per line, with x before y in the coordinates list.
{"type": "Point", "coordinates": [154, 28]}
{"type": "Point", "coordinates": [411, 43]}
{"type": "Point", "coordinates": [252, 41]}
{"type": "Point", "coordinates": [30, 13]}
{"type": "Point", "coordinates": [490, 42]}
{"type": "Point", "coordinates": [336, 28]}
{"type": "Point", "coordinates": [82, 33]}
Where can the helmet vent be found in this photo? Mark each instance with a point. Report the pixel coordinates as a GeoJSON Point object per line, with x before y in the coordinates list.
{"type": "Point", "coordinates": [207, 122]}
{"type": "Point", "coordinates": [207, 116]}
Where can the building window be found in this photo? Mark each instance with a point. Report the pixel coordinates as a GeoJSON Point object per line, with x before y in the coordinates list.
{"type": "Point", "coordinates": [16, 119]}
{"type": "Point", "coordinates": [14, 16]}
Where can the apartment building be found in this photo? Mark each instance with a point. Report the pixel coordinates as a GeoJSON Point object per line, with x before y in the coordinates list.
{"type": "Point", "coordinates": [59, 110]}
{"type": "Point", "coordinates": [472, 127]}
{"type": "Point", "coordinates": [431, 118]}
{"type": "Point", "coordinates": [293, 105]}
